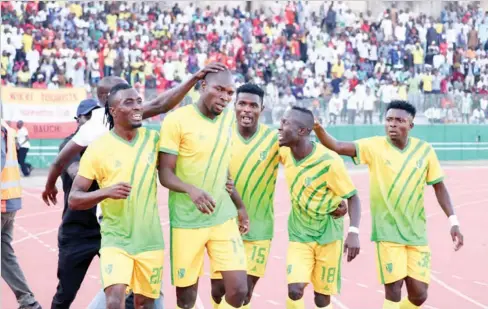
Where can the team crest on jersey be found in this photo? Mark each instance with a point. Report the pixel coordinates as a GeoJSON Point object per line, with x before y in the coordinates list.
{"type": "Point", "coordinates": [263, 155]}
{"type": "Point", "coordinates": [108, 269]}
{"type": "Point", "coordinates": [307, 181]}
{"type": "Point", "coordinates": [181, 273]}
{"type": "Point", "coordinates": [389, 267]}
{"type": "Point", "coordinates": [419, 163]}
{"type": "Point", "coordinates": [150, 158]}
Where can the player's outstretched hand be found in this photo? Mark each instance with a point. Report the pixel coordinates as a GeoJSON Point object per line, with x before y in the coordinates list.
{"type": "Point", "coordinates": [457, 237]}
{"type": "Point", "coordinates": [316, 124]}
{"type": "Point", "coordinates": [119, 191]}
{"type": "Point", "coordinates": [341, 211]}
{"type": "Point", "coordinates": [49, 195]}
{"type": "Point", "coordinates": [243, 221]}
{"type": "Point", "coordinates": [229, 186]}
{"type": "Point", "coordinates": [204, 202]}
{"type": "Point", "coordinates": [213, 67]}
{"type": "Point", "coordinates": [351, 246]}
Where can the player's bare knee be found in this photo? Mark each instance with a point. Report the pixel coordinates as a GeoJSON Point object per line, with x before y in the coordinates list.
{"type": "Point", "coordinates": [186, 297]}
{"type": "Point", "coordinates": [419, 298]}
{"type": "Point", "coordinates": [115, 301]}
{"type": "Point", "coordinates": [236, 295]}
{"type": "Point", "coordinates": [218, 289]}
{"type": "Point", "coordinates": [295, 291]}
{"type": "Point", "coordinates": [321, 300]}
{"type": "Point", "coordinates": [251, 283]}
{"type": "Point", "coordinates": [393, 291]}
{"type": "Point", "coordinates": [142, 302]}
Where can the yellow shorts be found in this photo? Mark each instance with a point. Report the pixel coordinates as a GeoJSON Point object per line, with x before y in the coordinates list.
{"type": "Point", "coordinates": [257, 253]}
{"type": "Point", "coordinates": [224, 246]}
{"type": "Point", "coordinates": [397, 261]}
{"type": "Point", "coordinates": [318, 264]}
{"type": "Point", "coordinates": [142, 273]}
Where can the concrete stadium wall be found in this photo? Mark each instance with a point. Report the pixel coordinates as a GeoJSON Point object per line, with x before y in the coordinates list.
{"type": "Point", "coordinates": [452, 142]}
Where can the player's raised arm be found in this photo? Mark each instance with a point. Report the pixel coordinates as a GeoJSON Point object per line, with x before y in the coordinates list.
{"type": "Point", "coordinates": [342, 148]}
{"type": "Point", "coordinates": [169, 99]}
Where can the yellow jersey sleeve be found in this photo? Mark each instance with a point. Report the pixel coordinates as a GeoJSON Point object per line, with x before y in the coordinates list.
{"type": "Point", "coordinates": [89, 164]}
{"type": "Point", "coordinates": [170, 135]}
{"type": "Point", "coordinates": [339, 180]}
{"type": "Point", "coordinates": [364, 150]}
{"type": "Point", "coordinates": [434, 170]}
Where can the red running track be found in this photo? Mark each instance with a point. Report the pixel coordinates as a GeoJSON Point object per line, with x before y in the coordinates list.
{"type": "Point", "coordinates": [460, 279]}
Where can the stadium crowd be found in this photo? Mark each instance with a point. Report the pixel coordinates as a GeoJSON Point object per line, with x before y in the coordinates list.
{"type": "Point", "coordinates": [344, 65]}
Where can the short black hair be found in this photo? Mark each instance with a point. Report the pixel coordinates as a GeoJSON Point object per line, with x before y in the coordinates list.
{"type": "Point", "coordinates": [110, 98]}
{"type": "Point", "coordinates": [252, 89]}
{"type": "Point", "coordinates": [308, 114]}
{"type": "Point", "coordinates": [403, 105]}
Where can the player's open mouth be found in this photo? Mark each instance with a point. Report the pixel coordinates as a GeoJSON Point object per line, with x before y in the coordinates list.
{"type": "Point", "coordinates": [137, 117]}
{"type": "Point", "coordinates": [246, 120]}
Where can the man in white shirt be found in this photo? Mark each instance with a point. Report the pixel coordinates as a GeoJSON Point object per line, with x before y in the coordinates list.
{"type": "Point", "coordinates": [368, 105]}
{"type": "Point", "coordinates": [23, 147]}
{"type": "Point", "coordinates": [97, 126]}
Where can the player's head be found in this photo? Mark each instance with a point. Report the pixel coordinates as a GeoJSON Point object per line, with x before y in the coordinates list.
{"type": "Point", "coordinates": [217, 91]}
{"type": "Point", "coordinates": [399, 119]}
{"type": "Point", "coordinates": [249, 105]}
{"type": "Point", "coordinates": [84, 111]}
{"type": "Point", "coordinates": [124, 107]}
{"type": "Point", "coordinates": [296, 124]}
{"type": "Point", "coordinates": [104, 86]}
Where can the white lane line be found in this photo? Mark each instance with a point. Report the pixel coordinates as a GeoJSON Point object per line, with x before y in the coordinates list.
{"type": "Point", "coordinates": [339, 304]}
{"type": "Point", "coordinates": [457, 292]}
{"type": "Point", "coordinates": [457, 277]}
{"type": "Point", "coordinates": [41, 213]}
{"type": "Point", "coordinates": [32, 236]}
{"type": "Point", "coordinates": [480, 283]}
{"type": "Point", "coordinates": [272, 302]}
{"type": "Point", "coordinates": [362, 285]}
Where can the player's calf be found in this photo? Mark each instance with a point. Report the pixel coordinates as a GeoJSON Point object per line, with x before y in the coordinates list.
{"type": "Point", "coordinates": [186, 297]}
{"type": "Point", "coordinates": [251, 284]}
{"type": "Point", "coordinates": [143, 302]}
{"type": "Point", "coordinates": [115, 296]}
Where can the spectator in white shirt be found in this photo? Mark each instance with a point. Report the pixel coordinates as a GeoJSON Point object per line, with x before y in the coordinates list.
{"type": "Point", "coordinates": [23, 148]}
{"type": "Point", "coordinates": [478, 115]}
{"type": "Point", "coordinates": [352, 106]}
{"type": "Point", "coordinates": [368, 106]}
{"type": "Point", "coordinates": [335, 107]}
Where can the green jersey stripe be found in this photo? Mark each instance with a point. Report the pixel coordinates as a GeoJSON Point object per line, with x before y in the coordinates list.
{"type": "Point", "coordinates": [419, 181]}
{"type": "Point", "coordinates": [322, 201]}
{"type": "Point", "coordinates": [149, 193]}
{"type": "Point", "coordinates": [323, 171]}
{"type": "Point", "coordinates": [405, 163]}
{"type": "Point", "coordinates": [133, 173]}
{"type": "Point", "coordinates": [227, 148]}
{"type": "Point", "coordinates": [271, 143]}
{"type": "Point", "coordinates": [210, 161]}
{"type": "Point", "coordinates": [263, 173]}
{"type": "Point", "coordinates": [268, 132]}
{"type": "Point", "coordinates": [306, 168]}
{"type": "Point", "coordinates": [310, 198]}
{"type": "Point", "coordinates": [417, 202]}
{"type": "Point", "coordinates": [143, 177]}
{"type": "Point", "coordinates": [265, 188]}
{"type": "Point", "coordinates": [405, 185]}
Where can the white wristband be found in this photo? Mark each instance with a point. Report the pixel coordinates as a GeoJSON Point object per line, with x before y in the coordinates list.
{"type": "Point", "coordinates": [353, 229]}
{"type": "Point", "coordinates": [453, 220]}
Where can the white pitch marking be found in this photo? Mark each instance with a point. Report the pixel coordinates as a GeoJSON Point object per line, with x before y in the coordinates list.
{"type": "Point", "coordinates": [199, 303]}
{"type": "Point", "coordinates": [458, 293]}
{"type": "Point", "coordinates": [480, 283]}
{"type": "Point", "coordinates": [362, 285]}
{"type": "Point", "coordinates": [457, 277]}
{"type": "Point", "coordinates": [272, 302]}
{"type": "Point", "coordinates": [380, 291]}
{"type": "Point", "coordinates": [277, 257]}
{"type": "Point", "coordinates": [339, 303]}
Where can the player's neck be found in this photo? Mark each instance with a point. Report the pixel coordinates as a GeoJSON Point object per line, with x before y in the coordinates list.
{"type": "Point", "coordinates": [400, 143]}
{"type": "Point", "coordinates": [205, 111]}
{"type": "Point", "coordinates": [247, 133]}
{"type": "Point", "coordinates": [125, 134]}
{"type": "Point", "coordinates": [301, 149]}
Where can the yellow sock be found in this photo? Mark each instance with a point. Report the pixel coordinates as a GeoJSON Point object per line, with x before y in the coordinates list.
{"type": "Point", "coordinates": [388, 304]}
{"type": "Point", "coordinates": [326, 307]}
{"type": "Point", "coordinates": [406, 304]}
{"type": "Point", "coordinates": [225, 305]}
{"type": "Point", "coordinates": [214, 304]}
{"type": "Point", "coordinates": [295, 304]}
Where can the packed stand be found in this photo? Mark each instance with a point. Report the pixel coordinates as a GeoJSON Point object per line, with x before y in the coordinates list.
{"type": "Point", "coordinates": [345, 66]}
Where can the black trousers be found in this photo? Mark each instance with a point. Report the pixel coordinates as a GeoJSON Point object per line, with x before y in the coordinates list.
{"type": "Point", "coordinates": [21, 155]}
{"type": "Point", "coordinates": [74, 259]}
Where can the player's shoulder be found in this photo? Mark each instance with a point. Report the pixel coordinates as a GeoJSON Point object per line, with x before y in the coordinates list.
{"type": "Point", "coordinates": [148, 133]}
{"type": "Point", "coordinates": [325, 153]}
{"type": "Point", "coordinates": [181, 113]}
